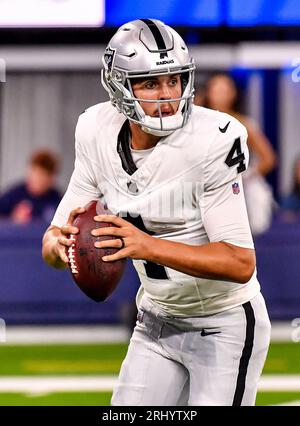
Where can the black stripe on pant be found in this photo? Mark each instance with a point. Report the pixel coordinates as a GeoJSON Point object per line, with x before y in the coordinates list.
{"type": "Point", "coordinates": [246, 354]}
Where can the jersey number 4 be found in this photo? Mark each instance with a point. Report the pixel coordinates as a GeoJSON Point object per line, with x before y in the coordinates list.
{"type": "Point", "coordinates": [153, 270]}
{"type": "Point", "coordinates": [236, 156]}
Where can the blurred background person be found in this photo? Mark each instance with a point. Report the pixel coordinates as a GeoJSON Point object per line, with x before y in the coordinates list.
{"type": "Point", "coordinates": [221, 93]}
{"type": "Point", "coordinates": [36, 197]}
{"type": "Point", "coordinates": [291, 203]}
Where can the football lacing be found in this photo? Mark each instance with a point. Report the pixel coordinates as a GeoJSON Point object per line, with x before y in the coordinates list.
{"type": "Point", "coordinates": [71, 256]}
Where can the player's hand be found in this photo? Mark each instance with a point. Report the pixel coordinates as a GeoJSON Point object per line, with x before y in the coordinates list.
{"type": "Point", "coordinates": [132, 243]}
{"type": "Point", "coordinates": [66, 230]}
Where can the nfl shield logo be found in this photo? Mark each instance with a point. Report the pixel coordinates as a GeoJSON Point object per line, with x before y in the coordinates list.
{"type": "Point", "coordinates": [235, 188]}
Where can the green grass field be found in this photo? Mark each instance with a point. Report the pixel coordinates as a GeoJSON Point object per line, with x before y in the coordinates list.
{"type": "Point", "coordinates": [103, 399]}
{"type": "Point", "coordinates": [59, 361]}
{"type": "Point", "coordinates": [57, 399]}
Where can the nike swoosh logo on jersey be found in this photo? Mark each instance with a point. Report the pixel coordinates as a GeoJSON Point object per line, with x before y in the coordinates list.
{"type": "Point", "coordinates": [208, 333]}
{"type": "Point", "coordinates": [224, 128]}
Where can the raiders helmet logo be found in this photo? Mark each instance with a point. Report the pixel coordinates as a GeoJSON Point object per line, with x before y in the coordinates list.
{"type": "Point", "coordinates": [109, 56]}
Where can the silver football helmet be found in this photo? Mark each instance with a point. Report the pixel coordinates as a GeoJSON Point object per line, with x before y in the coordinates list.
{"type": "Point", "coordinates": [143, 48]}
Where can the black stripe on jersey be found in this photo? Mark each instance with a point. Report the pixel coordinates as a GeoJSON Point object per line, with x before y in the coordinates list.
{"type": "Point", "coordinates": [153, 270]}
{"type": "Point", "coordinates": [124, 149]}
{"type": "Point", "coordinates": [161, 45]}
{"type": "Point", "coordinates": [246, 354]}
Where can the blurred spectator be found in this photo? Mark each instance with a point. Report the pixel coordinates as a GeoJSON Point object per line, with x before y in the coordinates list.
{"type": "Point", "coordinates": [291, 203]}
{"type": "Point", "coordinates": [222, 94]}
{"type": "Point", "coordinates": [36, 197]}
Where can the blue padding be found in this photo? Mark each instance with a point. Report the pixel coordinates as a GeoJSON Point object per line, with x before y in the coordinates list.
{"type": "Point", "coordinates": [173, 12]}
{"type": "Point", "coordinates": [32, 292]}
{"type": "Point", "coordinates": [206, 13]}
{"type": "Point", "coordinates": [278, 265]}
{"type": "Point", "coordinates": [263, 12]}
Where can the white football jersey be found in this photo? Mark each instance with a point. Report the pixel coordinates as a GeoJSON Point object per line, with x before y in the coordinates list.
{"type": "Point", "coordinates": [188, 189]}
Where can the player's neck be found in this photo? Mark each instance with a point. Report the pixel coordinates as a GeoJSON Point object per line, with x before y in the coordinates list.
{"type": "Point", "coordinates": [141, 139]}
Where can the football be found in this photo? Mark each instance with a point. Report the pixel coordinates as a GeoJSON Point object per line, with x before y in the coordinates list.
{"type": "Point", "coordinates": [97, 279]}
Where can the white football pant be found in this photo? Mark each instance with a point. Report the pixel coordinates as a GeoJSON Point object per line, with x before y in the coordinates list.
{"type": "Point", "coordinates": [212, 360]}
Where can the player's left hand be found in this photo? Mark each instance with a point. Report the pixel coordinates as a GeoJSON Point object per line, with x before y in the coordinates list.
{"type": "Point", "coordinates": [132, 243]}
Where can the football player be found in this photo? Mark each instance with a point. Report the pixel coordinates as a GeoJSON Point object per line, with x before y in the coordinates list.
{"type": "Point", "coordinates": [171, 174]}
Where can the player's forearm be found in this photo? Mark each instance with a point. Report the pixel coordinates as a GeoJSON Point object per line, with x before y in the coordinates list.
{"type": "Point", "coordinates": [220, 261]}
{"type": "Point", "coordinates": [49, 252]}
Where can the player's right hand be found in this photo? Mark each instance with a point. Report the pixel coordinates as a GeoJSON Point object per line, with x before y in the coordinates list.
{"type": "Point", "coordinates": [66, 230]}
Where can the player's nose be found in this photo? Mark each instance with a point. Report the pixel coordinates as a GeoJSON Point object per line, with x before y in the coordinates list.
{"type": "Point", "coordinates": [165, 92]}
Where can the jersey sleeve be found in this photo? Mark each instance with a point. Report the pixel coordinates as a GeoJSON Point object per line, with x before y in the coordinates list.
{"type": "Point", "coordinates": [223, 206]}
{"type": "Point", "coordinates": [228, 154]}
{"type": "Point", "coordinates": [224, 214]}
{"type": "Point", "coordinates": [82, 187]}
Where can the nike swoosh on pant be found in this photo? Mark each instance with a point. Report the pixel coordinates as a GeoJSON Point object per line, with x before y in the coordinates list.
{"type": "Point", "coordinates": [205, 333]}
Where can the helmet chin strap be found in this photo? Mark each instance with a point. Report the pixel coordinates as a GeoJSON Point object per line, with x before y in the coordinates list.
{"type": "Point", "coordinates": [157, 132]}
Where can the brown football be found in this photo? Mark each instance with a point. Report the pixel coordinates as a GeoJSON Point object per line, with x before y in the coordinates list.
{"type": "Point", "coordinates": [97, 279]}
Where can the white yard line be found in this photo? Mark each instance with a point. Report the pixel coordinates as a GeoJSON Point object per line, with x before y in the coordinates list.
{"type": "Point", "coordinates": [26, 335]}
{"type": "Point", "coordinates": [295, 403]}
{"type": "Point", "coordinates": [287, 331]}
{"type": "Point", "coordinates": [72, 334]}
{"type": "Point", "coordinates": [44, 385]}
{"type": "Point", "coordinates": [47, 384]}
{"type": "Point", "coordinates": [280, 382]}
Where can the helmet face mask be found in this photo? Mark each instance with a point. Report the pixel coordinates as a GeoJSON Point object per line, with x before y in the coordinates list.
{"type": "Point", "coordinates": [143, 49]}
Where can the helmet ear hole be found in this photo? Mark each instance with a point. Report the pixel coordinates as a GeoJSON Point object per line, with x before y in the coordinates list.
{"type": "Point", "coordinates": [184, 81]}
{"type": "Point", "coordinates": [128, 111]}
{"type": "Point", "coordinates": [117, 75]}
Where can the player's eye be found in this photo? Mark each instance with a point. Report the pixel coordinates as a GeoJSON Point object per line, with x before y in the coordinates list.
{"type": "Point", "coordinates": [150, 84]}
{"type": "Point", "coordinates": [174, 81]}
